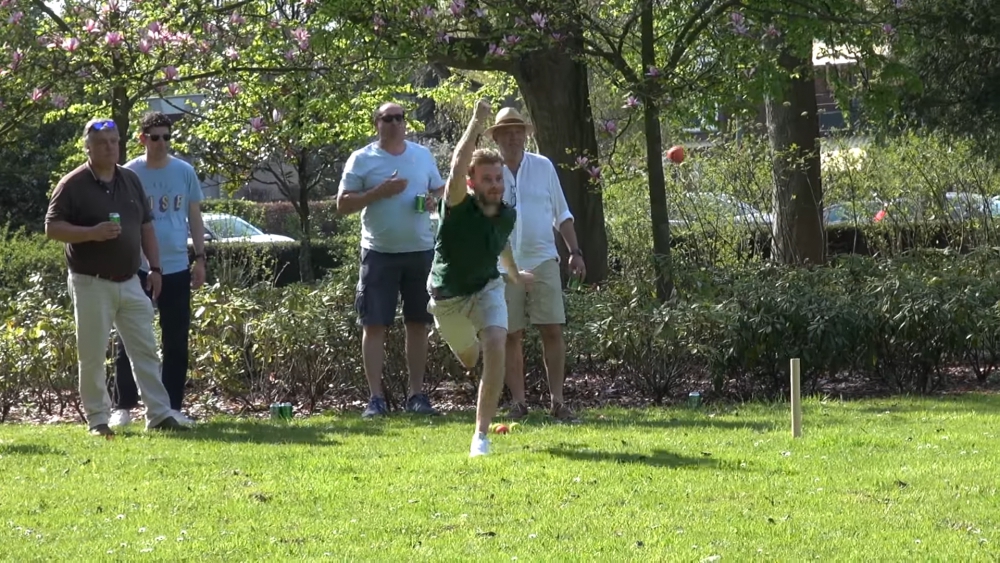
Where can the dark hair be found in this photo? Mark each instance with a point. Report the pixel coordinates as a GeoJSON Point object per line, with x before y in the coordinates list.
{"type": "Point", "coordinates": [155, 119]}
{"type": "Point", "coordinates": [483, 157]}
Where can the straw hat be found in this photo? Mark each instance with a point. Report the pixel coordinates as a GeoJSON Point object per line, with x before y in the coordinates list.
{"type": "Point", "coordinates": [509, 117]}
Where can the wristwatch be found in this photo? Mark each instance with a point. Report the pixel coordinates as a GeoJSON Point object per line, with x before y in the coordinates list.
{"type": "Point", "coordinates": [576, 251]}
{"type": "Point", "coordinates": [200, 256]}
{"type": "Point", "coordinates": [153, 270]}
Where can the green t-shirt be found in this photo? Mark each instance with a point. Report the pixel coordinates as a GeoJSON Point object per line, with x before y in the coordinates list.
{"type": "Point", "coordinates": [467, 246]}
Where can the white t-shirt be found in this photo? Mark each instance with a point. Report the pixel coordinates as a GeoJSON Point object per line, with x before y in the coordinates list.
{"type": "Point", "coordinates": [536, 194]}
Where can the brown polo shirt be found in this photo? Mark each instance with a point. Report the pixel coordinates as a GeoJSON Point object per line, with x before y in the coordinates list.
{"type": "Point", "coordinates": [83, 200]}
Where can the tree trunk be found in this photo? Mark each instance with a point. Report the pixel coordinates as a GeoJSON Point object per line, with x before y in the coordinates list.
{"type": "Point", "coordinates": [305, 245]}
{"type": "Point", "coordinates": [557, 95]}
{"type": "Point", "coordinates": [798, 236]}
{"type": "Point", "coordinates": [654, 164]}
{"type": "Point", "coordinates": [121, 108]}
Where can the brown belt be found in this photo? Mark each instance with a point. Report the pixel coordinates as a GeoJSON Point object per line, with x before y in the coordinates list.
{"type": "Point", "coordinates": [116, 279]}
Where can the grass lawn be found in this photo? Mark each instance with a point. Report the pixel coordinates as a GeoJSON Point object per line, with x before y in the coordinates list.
{"type": "Point", "coordinates": [898, 479]}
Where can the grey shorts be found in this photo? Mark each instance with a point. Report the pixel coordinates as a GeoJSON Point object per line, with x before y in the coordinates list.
{"type": "Point", "coordinates": [384, 277]}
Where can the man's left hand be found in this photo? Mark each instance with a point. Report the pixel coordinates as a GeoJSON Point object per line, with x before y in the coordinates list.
{"type": "Point", "coordinates": [577, 267]}
{"type": "Point", "coordinates": [198, 274]}
{"type": "Point", "coordinates": [431, 202]}
{"type": "Point", "coordinates": [154, 283]}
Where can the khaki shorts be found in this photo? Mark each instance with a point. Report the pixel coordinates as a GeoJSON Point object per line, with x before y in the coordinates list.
{"type": "Point", "coordinates": [543, 305]}
{"type": "Point", "coordinates": [460, 319]}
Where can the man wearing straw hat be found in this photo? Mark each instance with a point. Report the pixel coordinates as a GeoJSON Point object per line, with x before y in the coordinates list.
{"type": "Point", "coordinates": [532, 188]}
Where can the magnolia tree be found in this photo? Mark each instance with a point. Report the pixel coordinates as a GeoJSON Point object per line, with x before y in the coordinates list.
{"type": "Point", "coordinates": [291, 131]}
{"type": "Point", "coordinates": [93, 57]}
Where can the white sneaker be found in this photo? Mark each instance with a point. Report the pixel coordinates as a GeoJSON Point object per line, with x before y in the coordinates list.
{"type": "Point", "coordinates": [120, 418]}
{"type": "Point", "coordinates": [480, 445]}
{"type": "Point", "coordinates": [181, 418]}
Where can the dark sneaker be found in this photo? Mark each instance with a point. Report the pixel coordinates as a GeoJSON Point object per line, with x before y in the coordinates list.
{"type": "Point", "coordinates": [102, 430]}
{"type": "Point", "coordinates": [169, 424]}
{"type": "Point", "coordinates": [420, 404]}
{"type": "Point", "coordinates": [376, 407]}
{"type": "Point", "coordinates": [562, 413]}
{"type": "Point", "coordinates": [517, 412]}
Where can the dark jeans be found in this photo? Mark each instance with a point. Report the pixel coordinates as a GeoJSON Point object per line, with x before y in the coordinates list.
{"type": "Point", "coordinates": [384, 278]}
{"type": "Point", "coordinates": [174, 305]}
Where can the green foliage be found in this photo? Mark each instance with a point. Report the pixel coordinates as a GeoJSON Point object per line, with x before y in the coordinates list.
{"type": "Point", "coordinates": [246, 264]}
{"type": "Point", "coordinates": [23, 255]}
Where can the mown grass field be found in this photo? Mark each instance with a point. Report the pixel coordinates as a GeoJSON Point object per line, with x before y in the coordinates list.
{"type": "Point", "coordinates": [886, 480]}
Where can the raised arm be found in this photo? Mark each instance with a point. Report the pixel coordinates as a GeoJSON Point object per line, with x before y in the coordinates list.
{"type": "Point", "coordinates": [456, 186]}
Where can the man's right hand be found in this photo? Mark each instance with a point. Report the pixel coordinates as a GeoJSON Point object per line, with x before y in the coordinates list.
{"type": "Point", "coordinates": [391, 187]}
{"type": "Point", "coordinates": [483, 110]}
{"type": "Point", "coordinates": [105, 231]}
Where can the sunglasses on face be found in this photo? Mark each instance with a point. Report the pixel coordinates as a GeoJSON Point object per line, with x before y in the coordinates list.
{"type": "Point", "coordinates": [154, 138]}
{"type": "Point", "coordinates": [394, 117]}
{"type": "Point", "coordinates": [104, 125]}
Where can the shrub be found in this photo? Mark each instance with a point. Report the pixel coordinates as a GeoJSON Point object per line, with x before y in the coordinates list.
{"type": "Point", "coordinates": [280, 217]}
{"type": "Point", "coordinates": [246, 264]}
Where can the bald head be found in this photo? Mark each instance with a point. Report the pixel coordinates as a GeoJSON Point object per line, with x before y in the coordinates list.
{"type": "Point", "coordinates": [390, 122]}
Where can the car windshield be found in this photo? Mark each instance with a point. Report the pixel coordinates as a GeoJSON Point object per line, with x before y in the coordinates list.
{"type": "Point", "coordinates": [231, 227]}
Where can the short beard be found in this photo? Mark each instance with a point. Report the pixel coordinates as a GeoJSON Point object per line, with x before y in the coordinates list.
{"type": "Point", "coordinates": [484, 204]}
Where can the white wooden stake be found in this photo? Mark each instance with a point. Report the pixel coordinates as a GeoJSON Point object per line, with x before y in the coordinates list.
{"type": "Point", "coordinates": [796, 400]}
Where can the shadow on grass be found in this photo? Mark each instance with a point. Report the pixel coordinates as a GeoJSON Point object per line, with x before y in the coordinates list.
{"type": "Point", "coordinates": [647, 418]}
{"type": "Point", "coordinates": [659, 458]}
{"type": "Point", "coordinates": [28, 449]}
{"type": "Point", "coordinates": [268, 432]}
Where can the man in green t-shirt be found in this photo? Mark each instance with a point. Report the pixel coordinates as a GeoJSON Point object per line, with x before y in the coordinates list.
{"type": "Point", "coordinates": [467, 292]}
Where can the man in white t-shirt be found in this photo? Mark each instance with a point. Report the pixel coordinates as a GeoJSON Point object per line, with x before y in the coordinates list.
{"type": "Point", "coordinates": [393, 183]}
{"type": "Point", "coordinates": [532, 188]}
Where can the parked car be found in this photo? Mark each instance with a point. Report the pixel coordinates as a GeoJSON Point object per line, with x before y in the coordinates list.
{"type": "Point", "coordinates": [852, 212]}
{"type": "Point", "coordinates": [223, 227]}
{"type": "Point", "coordinates": [708, 209]}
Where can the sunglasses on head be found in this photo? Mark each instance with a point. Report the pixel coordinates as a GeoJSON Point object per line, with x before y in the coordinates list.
{"type": "Point", "coordinates": [393, 117]}
{"type": "Point", "coordinates": [154, 138]}
{"type": "Point", "coordinates": [102, 125]}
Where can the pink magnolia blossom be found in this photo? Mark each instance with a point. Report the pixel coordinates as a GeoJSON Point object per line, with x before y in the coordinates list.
{"type": "Point", "coordinates": [496, 51]}
{"type": "Point", "coordinates": [888, 29]}
{"type": "Point", "coordinates": [210, 27]}
{"type": "Point", "coordinates": [145, 46]}
{"type": "Point", "coordinates": [582, 161]}
{"type": "Point", "coordinates": [111, 6]}
{"type": "Point", "coordinates": [237, 19]}
{"type": "Point", "coordinates": [558, 36]}
{"type": "Point", "coordinates": [443, 37]}
{"type": "Point", "coordinates": [512, 40]}
{"type": "Point", "coordinates": [15, 59]}
{"type": "Point", "coordinates": [15, 18]}
{"type": "Point", "coordinates": [631, 102]}
{"type": "Point", "coordinates": [301, 35]}
{"type": "Point", "coordinates": [609, 126]}
{"type": "Point", "coordinates": [457, 7]}
{"type": "Point", "coordinates": [37, 94]}
{"type": "Point", "coordinates": [171, 73]}
{"type": "Point", "coordinates": [739, 23]}
{"type": "Point", "coordinates": [772, 31]}
{"type": "Point", "coordinates": [540, 20]}
{"type": "Point", "coordinates": [155, 27]}
{"type": "Point", "coordinates": [276, 115]}
{"type": "Point", "coordinates": [59, 101]}
{"type": "Point", "coordinates": [595, 173]}
{"type": "Point", "coordinates": [653, 72]}
{"type": "Point", "coordinates": [234, 89]}
{"type": "Point", "coordinates": [204, 46]}
{"type": "Point", "coordinates": [480, 12]}
{"type": "Point", "coordinates": [290, 54]}
{"type": "Point", "coordinates": [70, 44]}
{"type": "Point", "coordinates": [5, 3]}
{"type": "Point", "coordinates": [257, 123]}
{"type": "Point", "coordinates": [92, 27]}
{"type": "Point", "coordinates": [518, 22]}
{"type": "Point", "coordinates": [113, 38]}
{"type": "Point", "coordinates": [378, 22]}
{"type": "Point", "coordinates": [232, 53]}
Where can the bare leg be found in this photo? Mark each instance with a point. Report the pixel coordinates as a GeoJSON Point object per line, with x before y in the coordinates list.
{"type": "Point", "coordinates": [416, 355]}
{"type": "Point", "coordinates": [494, 341]}
{"type": "Point", "coordinates": [514, 376]}
{"type": "Point", "coordinates": [554, 354]}
{"type": "Point", "coordinates": [373, 356]}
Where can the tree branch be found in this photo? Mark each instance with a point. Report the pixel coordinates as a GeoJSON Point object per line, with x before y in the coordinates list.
{"type": "Point", "coordinates": [60, 23]}
{"type": "Point", "coordinates": [470, 53]}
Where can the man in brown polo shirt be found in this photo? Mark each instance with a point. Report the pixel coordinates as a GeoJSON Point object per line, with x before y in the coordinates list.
{"type": "Point", "coordinates": [101, 213]}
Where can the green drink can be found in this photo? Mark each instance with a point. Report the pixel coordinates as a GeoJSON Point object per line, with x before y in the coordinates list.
{"type": "Point", "coordinates": [694, 399]}
{"type": "Point", "coordinates": [115, 218]}
{"type": "Point", "coordinates": [286, 411]}
{"type": "Point", "coordinates": [422, 203]}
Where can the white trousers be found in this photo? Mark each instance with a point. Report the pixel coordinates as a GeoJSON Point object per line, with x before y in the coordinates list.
{"type": "Point", "coordinates": [97, 306]}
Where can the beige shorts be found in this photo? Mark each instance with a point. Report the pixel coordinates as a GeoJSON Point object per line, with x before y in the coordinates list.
{"type": "Point", "coordinates": [543, 305]}
{"type": "Point", "coordinates": [459, 319]}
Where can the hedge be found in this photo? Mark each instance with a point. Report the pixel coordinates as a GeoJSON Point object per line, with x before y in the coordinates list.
{"type": "Point", "coordinates": [280, 217]}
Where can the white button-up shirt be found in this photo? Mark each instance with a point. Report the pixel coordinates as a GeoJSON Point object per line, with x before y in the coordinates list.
{"type": "Point", "coordinates": [536, 194]}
